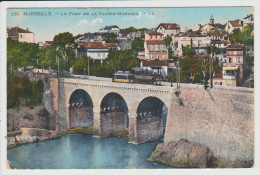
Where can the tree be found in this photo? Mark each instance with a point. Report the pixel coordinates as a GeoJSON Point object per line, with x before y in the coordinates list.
{"type": "Point", "coordinates": [236, 36]}
{"type": "Point", "coordinates": [21, 54]}
{"type": "Point", "coordinates": [111, 38]}
{"type": "Point", "coordinates": [133, 29]}
{"type": "Point", "coordinates": [122, 60]}
{"type": "Point", "coordinates": [168, 40]}
{"type": "Point", "coordinates": [138, 44]}
{"type": "Point", "coordinates": [64, 43]}
{"type": "Point", "coordinates": [250, 60]}
{"type": "Point", "coordinates": [212, 50]}
{"type": "Point", "coordinates": [188, 51]}
{"type": "Point", "coordinates": [246, 36]}
{"type": "Point", "coordinates": [80, 64]}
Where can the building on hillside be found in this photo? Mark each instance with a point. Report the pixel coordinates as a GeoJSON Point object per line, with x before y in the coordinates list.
{"type": "Point", "coordinates": [220, 44]}
{"type": "Point", "coordinates": [110, 29]}
{"type": "Point", "coordinates": [249, 19]}
{"type": "Point", "coordinates": [21, 35]}
{"type": "Point", "coordinates": [218, 35]}
{"type": "Point", "coordinates": [234, 67]}
{"type": "Point", "coordinates": [129, 35]}
{"type": "Point", "coordinates": [155, 46]}
{"type": "Point", "coordinates": [155, 49]}
{"type": "Point", "coordinates": [84, 37]}
{"type": "Point", "coordinates": [221, 59]}
{"type": "Point", "coordinates": [236, 60]}
{"type": "Point", "coordinates": [169, 29]}
{"type": "Point", "coordinates": [211, 26]}
{"type": "Point", "coordinates": [141, 55]}
{"type": "Point", "coordinates": [197, 28]}
{"type": "Point", "coordinates": [98, 37]}
{"type": "Point", "coordinates": [155, 67]}
{"type": "Point", "coordinates": [153, 35]}
{"type": "Point", "coordinates": [96, 50]}
{"type": "Point", "coordinates": [232, 25]}
{"type": "Point", "coordinates": [196, 41]}
{"type": "Point", "coordinates": [45, 44]}
{"type": "Point", "coordinates": [112, 46]}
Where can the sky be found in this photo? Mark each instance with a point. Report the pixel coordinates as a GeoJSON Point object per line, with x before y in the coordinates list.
{"type": "Point", "coordinates": [47, 22]}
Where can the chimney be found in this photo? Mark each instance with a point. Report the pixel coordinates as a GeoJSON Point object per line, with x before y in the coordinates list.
{"type": "Point", "coordinates": [27, 29]}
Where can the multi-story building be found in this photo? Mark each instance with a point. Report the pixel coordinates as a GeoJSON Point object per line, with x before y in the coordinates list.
{"type": "Point", "coordinates": [21, 35]}
{"type": "Point", "coordinates": [98, 51]}
{"type": "Point", "coordinates": [196, 41]}
{"type": "Point", "coordinates": [220, 44]}
{"type": "Point", "coordinates": [110, 29]}
{"type": "Point", "coordinates": [233, 71]}
{"type": "Point", "coordinates": [155, 67]}
{"type": "Point", "coordinates": [112, 46]}
{"type": "Point", "coordinates": [218, 35]}
{"type": "Point", "coordinates": [169, 29]}
{"type": "Point", "coordinates": [155, 46]}
{"type": "Point", "coordinates": [128, 35]}
{"type": "Point", "coordinates": [232, 25]}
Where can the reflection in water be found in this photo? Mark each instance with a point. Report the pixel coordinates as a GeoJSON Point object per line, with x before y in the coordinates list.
{"type": "Point", "coordinates": [82, 152]}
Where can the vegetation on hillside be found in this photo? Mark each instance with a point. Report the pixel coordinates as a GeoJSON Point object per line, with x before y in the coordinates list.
{"type": "Point", "coordinates": [246, 36]}
{"type": "Point", "coordinates": [23, 92]}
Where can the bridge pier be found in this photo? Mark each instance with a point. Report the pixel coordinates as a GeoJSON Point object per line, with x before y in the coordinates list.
{"type": "Point", "coordinates": [97, 123]}
{"type": "Point", "coordinates": [143, 130]}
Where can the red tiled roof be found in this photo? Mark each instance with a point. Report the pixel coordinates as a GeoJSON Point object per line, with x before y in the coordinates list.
{"type": "Point", "coordinates": [154, 63]}
{"type": "Point", "coordinates": [153, 33]}
{"type": "Point", "coordinates": [155, 41]}
{"type": "Point", "coordinates": [97, 45]}
{"type": "Point", "coordinates": [220, 42]}
{"type": "Point", "coordinates": [169, 26]}
{"type": "Point", "coordinates": [217, 33]}
{"type": "Point", "coordinates": [235, 23]}
{"type": "Point", "coordinates": [238, 46]}
{"type": "Point", "coordinates": [190, 35]}
{"type": "Point", "coordinates": [217, 25]}
{"type": "Point", "coordinates": [218, 75]}
{"type": "Point", "coordinates": [110, 45]}
{"type": "Point", "coordinates": [15, 30]}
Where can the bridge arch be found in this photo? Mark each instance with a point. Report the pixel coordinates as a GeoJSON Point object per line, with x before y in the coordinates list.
{"type": "Point", "coordinates": [113, 114]}
{"type": "Point", "coordinates": [151, 115]}
{"type": "Point", "coordinates": [80, 109]}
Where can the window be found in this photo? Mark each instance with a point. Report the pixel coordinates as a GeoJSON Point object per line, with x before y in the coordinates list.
{"type": "Point", "coordinates": [229, 60]}
{"type": "Point", "coordinates": [220, 83]}
{"type": "Point", "coordinates": [234, 60]}
{"type": "Point", "coordinates": [21, 36]}
{"type": "Point", "coordinates": [230, 72]}
{"type": "Point", "coordinates": [150, 36]}
{"type": "Point", "coordinates": [239, 61]}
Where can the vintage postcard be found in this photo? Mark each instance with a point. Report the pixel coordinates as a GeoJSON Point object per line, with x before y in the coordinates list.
{"type": "Point", "coordinates": [90, 86]}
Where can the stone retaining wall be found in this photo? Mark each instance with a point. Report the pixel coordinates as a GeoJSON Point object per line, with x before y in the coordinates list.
{"type": "Point", "coordinates": [221, 120]}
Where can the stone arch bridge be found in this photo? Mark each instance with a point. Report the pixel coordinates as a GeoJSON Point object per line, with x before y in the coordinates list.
{"type": "Point", "coordinates": [110, 107]}
{"type": "Point", "coordinates": [221, 118]}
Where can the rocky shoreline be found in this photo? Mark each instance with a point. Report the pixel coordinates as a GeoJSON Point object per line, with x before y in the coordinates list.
{"type": "Point", "coordinates": [185, 154]}
{"type": "Point", "coordinates": [29, 135]}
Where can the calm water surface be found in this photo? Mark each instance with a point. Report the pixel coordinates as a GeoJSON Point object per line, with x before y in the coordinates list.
{"type": "Point", "coordinates": [83, 152]}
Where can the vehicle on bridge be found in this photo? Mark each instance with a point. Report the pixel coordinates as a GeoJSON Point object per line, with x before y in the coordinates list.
{"type": "Point", "coordinates": [127, 77]}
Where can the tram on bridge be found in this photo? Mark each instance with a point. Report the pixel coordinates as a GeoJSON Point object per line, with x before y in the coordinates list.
{"type": "Point", "coordinates": [127, 77]}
